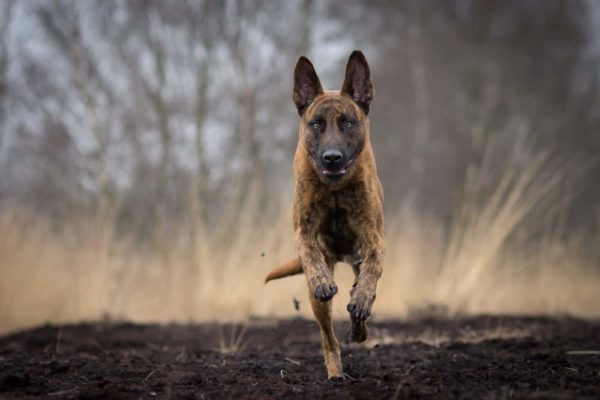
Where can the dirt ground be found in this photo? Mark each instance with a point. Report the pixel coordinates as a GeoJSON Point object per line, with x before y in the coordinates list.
{"type": "Point", "coordinates": [483, 357]}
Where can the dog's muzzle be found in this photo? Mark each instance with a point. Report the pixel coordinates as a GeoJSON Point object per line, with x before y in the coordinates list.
{"type": "Point", "coordinates": [334, 164]}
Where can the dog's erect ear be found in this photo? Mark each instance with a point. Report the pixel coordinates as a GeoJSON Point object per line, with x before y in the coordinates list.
{"type": "Point", "coordinates": [357, 83]}
{"type": "Point", "coordinates": [306, 84]}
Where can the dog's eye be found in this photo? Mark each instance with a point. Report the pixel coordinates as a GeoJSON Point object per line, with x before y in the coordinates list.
{"type": "Point", "coordinates": [315, 125]}
{"type": "Point", "coordinates": [348, 124]}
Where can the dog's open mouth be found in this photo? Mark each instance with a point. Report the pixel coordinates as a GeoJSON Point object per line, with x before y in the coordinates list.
{"type": "Point", "coordinates": [337, 172]}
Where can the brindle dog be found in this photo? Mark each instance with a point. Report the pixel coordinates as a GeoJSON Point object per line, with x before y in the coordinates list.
{"type": "Point", "coordinates": [338, 204]}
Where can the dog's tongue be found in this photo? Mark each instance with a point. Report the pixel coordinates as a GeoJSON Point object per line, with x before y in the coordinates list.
{"type": "Point", "coordinates": [334, 172]}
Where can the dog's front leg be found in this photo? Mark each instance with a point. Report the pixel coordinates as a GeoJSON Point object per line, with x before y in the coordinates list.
{"type": "Point", "coordinates": [364, 289]}
{"type": "Point", "coordinates": [321, 289]}
{"type": "Point", "coordinates": [318, 273]}
{"type": "Point", "coordinates": [331, 347]}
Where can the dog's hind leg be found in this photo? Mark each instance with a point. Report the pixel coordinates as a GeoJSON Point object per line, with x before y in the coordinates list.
{"type": "Point", "coordinates": [358, 328]}
{"type": "Point", "coordinates": [369, 271]}
{"type": "Point", "coordinates": [331, 347]}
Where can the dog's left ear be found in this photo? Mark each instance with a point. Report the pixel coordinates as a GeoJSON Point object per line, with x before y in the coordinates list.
{"type": "Point", "coordinates": [357, 83]}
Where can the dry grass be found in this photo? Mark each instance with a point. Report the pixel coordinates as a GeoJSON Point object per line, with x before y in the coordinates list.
{"type": "Point", "coordinates": [503, 254]}
{"type": "Point", "coordinates": [233, 342]}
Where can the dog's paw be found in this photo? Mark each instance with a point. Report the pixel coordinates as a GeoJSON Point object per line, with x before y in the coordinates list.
{"type": "Point", "coordinates": [322, 287]}
{"type": "Point", "coordinates": [357, 332]}
{"type": "Point", "coordinates": [360, 304]}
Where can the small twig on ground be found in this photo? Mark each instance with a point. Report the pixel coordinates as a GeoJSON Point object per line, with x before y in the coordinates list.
{"type": "Point", "coordinates": [64, 392]}
{"type": "Point", "coordinates": [295, 362]}
{"type": "Point", "coordinates": [350, 377]}
{"type": "Point", "coordinates": [149, 375]}
{"type": "Point", "coordinates": [584, 353]}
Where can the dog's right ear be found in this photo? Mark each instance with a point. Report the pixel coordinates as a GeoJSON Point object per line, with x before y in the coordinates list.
{"type": "Point", "coordinates": [306, 84]}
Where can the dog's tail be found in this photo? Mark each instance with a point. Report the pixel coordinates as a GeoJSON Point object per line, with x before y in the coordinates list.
{"type": "Point", "coordinates": [290, 268]}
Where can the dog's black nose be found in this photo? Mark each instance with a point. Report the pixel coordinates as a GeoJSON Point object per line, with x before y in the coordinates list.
{"type": "Point", "coordinates": [332, 157]}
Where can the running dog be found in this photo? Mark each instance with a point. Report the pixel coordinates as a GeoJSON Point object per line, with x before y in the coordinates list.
{"type": "Point", "coordinates": [338, 203]}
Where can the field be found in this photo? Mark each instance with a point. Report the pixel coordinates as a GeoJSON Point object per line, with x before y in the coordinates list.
{"type": "Point", "coordinates": [147, 186]}
{"type": "Point", "coordinates": [484, 357]}
{"type": "Point", "coordinates": [440, 327]}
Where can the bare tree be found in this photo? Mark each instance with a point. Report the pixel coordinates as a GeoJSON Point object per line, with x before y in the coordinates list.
{"type": "Point", "coordinates": [177, 114]}
{"type": "Point", "coordinates": [63, 23]}
{"type": "Point", "coordinates": [6, 9]}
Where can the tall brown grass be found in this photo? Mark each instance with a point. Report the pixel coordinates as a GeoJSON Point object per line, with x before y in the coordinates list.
{"type": "Point", "coordinates": [505, 253]}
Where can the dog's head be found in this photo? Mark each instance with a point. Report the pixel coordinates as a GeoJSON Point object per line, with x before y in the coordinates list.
{"type": "Point", "coordinates": [333, 125]}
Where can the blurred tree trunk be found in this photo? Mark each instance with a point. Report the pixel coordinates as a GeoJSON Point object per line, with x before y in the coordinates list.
{"type": "Point", "coordinates": [161, 111]}
{"type": "Point", "coordinates": [154, 89]}
{"type": "Point", "coordinates": [421, 93]}
{"type": "Point", "coordinates": [81, 60]}
{"type": "Point", "coordinates": [305, 27]}
{"type": "Point", "coordinates": [205, 33]}
{"type": "Point", "coordinates": [249, 175]}
{"type": "Point", "coordinates": [199, 188]}
{"type": "Point", "coordinates": [249, 181]}
{"type": "Point", "coordinates": [63, 25]}
{"type": "Point", "coordinates": [5, 18]}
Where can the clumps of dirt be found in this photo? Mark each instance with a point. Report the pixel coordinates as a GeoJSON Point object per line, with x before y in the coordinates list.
{"type": "Point", "coordinates": [475, 357]}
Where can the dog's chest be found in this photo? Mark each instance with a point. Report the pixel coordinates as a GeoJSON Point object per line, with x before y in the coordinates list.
{"type": "Point", "coordinates": [337, 229]}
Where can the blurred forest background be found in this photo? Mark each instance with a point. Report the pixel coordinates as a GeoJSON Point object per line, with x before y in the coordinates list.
{"type": "Point", "coordinates": [146, 146]}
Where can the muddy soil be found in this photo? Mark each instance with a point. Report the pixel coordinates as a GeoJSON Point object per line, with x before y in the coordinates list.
{"type": "Point", "coordinates": [484, 357]}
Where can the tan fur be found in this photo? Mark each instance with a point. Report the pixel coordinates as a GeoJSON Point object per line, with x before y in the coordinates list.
{"type": "Point", "coordinates": [342, 219]}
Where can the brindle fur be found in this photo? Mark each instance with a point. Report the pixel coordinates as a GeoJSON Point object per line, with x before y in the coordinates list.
{"type": "Point", "coordinates": [336, 219]}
